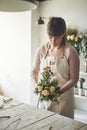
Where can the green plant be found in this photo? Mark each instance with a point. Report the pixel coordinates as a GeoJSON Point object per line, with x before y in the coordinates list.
{"type": "Point", "coordinates": [82, 80]}
{"type": "Point", "coordinates": [83, 49]}
{"type": "Point", "coordinates": [84, 46]}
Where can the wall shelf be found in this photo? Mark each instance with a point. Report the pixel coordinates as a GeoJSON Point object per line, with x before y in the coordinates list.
{"type": "Point", "coordinates": [83, 73]}
{"type": "Point", "coordinates": [80, 111]}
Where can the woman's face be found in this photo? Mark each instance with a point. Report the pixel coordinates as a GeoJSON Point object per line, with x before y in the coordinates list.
{"type": "Point", "coordinates": [55, 40]}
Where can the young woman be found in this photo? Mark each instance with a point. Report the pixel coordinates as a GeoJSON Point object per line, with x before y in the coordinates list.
{"type": "Point", "coordinates": [64, 62]}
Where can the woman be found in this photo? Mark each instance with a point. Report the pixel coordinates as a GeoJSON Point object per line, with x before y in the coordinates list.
{"type": "Point", "coordinates": [64, 62]}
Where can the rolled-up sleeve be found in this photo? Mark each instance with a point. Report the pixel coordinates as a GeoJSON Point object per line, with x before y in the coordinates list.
{"type": "Point", "coordinates": [74, 66]}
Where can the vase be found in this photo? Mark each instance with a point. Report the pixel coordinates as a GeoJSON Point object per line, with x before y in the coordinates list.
{"type": "Point", "coordinates": [85, 92]}
{"type": "Point", "coordinates": [81, 92]}
{"type": "Point", "coordinates": [76, 91]}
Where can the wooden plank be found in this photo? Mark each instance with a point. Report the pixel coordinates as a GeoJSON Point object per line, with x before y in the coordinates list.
{"type": "Point", "coordinates": [27, 114]}
{"type": "Point", "coordinates": [11, 102]}
{"type": "Point", "coordinates": [15, 111]}
{"type": "Point", "coordinates": [84, 127]}
{"type": "Point", "coordinates": [56, 122]}
{"type": "Point", "coordinates": [26, 117]}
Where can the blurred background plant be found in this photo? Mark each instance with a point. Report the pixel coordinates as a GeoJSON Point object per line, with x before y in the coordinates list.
{"type": "Point", "coordinates": [75, 38]}
{"type": "Point", "coordinates": [84, 49]}
{"type": "Point", "coordinates": [78, 39]}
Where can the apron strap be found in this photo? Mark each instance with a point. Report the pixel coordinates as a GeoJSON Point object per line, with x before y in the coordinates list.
{"type": "Point", "coordinates": [47, 50]}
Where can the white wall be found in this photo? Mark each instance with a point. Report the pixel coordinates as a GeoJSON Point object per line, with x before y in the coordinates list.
{"type": "Point", "coordinates": [15, 54]}
{"type": "Point", "coordinates": [35, 33]}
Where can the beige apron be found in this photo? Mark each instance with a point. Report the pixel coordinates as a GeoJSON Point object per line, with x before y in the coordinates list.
{"type": "Point", "coordinates": [60, 68]}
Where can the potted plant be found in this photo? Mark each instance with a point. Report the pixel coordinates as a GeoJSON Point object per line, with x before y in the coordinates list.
{"type": "Point", "coordinates": [83, 49]}
{"type": "Point", "coordinates": [81, 89]}
{"type": "Point", "coordinates": [76, 89]}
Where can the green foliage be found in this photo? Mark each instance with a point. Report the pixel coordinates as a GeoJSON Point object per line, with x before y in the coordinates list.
{"type": "Point", "coordinates": [84, 47]}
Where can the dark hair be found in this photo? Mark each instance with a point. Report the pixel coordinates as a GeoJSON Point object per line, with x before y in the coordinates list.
{"type": "Point", "coordinates": [56, 27]}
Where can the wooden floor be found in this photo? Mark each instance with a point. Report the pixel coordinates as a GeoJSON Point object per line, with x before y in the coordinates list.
{"type": "Point", "coordinates": [26, 117]}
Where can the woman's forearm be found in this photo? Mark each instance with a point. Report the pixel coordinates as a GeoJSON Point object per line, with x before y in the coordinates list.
{"type": "Point", "coordinates": [69, 84]}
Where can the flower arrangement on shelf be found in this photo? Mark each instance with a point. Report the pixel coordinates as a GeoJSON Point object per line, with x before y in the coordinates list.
{"type": "Point", "coordinates": [47, 88]}
{"type": "Point", "coordinates": [81, 80]}
{"type": "Point", "coordinates": [74, 38]}
{"type": "Point", "coordinates": [79, 41]}
{"type": "Point", "coordinates": [84, 50]}
{"type": "Point", "coordinates": [81, 88]}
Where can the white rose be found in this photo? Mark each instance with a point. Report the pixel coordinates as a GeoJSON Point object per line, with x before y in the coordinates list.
{"type": "Point", "coordinates": [68, 37]}
{"type": "Point", "coordinates": [72, 37]}
{"type": "Point", "coordinates": [76, 38]}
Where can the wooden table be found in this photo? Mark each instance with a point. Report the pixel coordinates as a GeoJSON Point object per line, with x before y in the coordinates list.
{"type": "Point", "coordinates": [26, 117]}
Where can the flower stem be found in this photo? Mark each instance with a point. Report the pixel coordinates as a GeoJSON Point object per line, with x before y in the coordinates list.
{"type": "Point", "coordinates": [38, 103]}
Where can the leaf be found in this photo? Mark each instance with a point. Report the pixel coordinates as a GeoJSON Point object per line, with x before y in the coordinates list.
{"type": "Point", "coordinates": [50, 128]}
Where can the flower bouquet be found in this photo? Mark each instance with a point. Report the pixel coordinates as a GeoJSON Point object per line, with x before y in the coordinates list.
{"type": "Point", "coordinates": [47, 88]}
